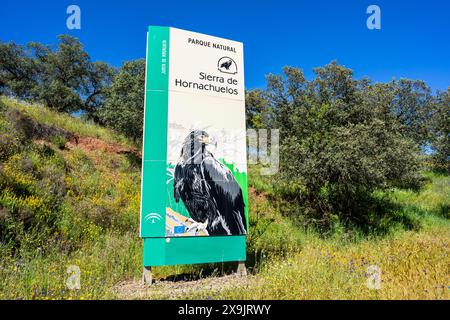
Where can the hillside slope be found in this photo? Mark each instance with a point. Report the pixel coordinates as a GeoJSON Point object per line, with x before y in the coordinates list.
{"type": "Point", "coordinates": [69, 196]}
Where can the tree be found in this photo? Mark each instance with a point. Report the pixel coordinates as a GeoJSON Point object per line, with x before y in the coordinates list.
{"type": "Point", "coordinates": [64, 79]}
{"type": "Point", "coordinates": [100, 77]}
{"type": "Point", "coordinates": [123, 109]}
{"type": "Point", "coordinates": [68, 79]}
{"type": "Point", "coordinates": [440, 129]}
{"type": "Point", "coordinates": [284, 93]}
{"type": "Point", "coordinates": [17, 71]}
{"type": "Point", "coordinates": [412, 104]}
{"type": "Point", "coordinates": [340, 140]}
{"type": "Point", "coordinates": [257, 110]}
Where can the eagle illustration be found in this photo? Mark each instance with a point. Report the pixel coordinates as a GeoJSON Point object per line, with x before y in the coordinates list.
{"type": "Point", "coordinates": [227, 64]}
{"type": "Point", "coordinates": [208, 189]}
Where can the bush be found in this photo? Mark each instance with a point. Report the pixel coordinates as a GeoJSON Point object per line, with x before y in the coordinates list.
{"type": "Point", "coordinates": [31, 191]}
{"type": "Point", "coordinates": [340, 141]}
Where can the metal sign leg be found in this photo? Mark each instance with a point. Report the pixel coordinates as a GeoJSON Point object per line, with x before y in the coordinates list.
{"type": "Point", "coordinates": [241, 269]}
{"type": "Point", "coordinates": [147, 276]}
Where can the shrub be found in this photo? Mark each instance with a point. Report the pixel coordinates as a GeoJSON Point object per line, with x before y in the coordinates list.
{"type": "Point", "coordinates": [340, 141]}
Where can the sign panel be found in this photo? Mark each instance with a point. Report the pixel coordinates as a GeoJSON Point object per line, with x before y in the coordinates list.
{"type": "Point", "coordinates": [194, 172]}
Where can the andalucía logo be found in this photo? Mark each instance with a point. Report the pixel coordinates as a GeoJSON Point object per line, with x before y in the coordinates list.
{"type": "Point", "coordinates": [227, 65]}
{"type": "Point", "coordinates": [152, 216]}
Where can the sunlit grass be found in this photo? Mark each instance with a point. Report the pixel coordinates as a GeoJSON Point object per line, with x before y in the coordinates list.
{"type": "Point", "coordinates": [104, 262]}
{"type": "Point", "coordinates": [65, 121]}
{"type": "Point", "coordinates": [413, 266]}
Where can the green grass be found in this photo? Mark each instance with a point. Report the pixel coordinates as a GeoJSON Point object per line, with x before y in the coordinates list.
{"type": "Point", "coordinates": [62, 207]}
{"type": "Point", "coordinates": [414, 264]}
{"type": "Point", "coordinates": [433, 200]}
{"type": "Point", "coordinates": [65, 121]}
{"type": "Point", "coordinates": [111, 258]}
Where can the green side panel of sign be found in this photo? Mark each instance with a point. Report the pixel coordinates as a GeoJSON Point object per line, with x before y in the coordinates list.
{"type": "Point", "coordinates": [153, 195]}
{"type": "Point", "coordinates": [187, 250]}
{"type": "Point", "coordinates": [156, 94]}
{"type": "Point", "coordinates": [158, 41]}
{"type": "Point", "coordinates": [154, 155]}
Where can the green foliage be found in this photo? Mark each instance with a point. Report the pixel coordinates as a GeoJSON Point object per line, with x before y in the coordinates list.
{"type": "Point", "coordinates": [59, 141]}
{"type": "Point", "coordinates": [64, 79]}
{"type": "Point", "coordinates": [9, 140]}
{"type": "Point", "coordinates": [257, 109]}
{"type": "Point", "coordinates": [340, 141]}
{"type": "Point", "coordinates": [53, 196]}
{"type": "Point", "coordinates": [75, 206]}
{"type": "Point", "coordinates": [349, 161]}
{"type": "Point", "coordinates": [17, 70]}
{"type": "Point", "coordinates": [31, 184]}
{"type": "Point", "coordinates": [440, 128]}
{"type": "Point", "coordinates": [42, 274]}
{"type": "Point", "coordinates": [63, 122]}
{"type": "Point", "coordinates": [412, 104]}
{"type": "Point", "coordinates": [124, 107]}
{"type": "Point", "coordinates": [412, 267]}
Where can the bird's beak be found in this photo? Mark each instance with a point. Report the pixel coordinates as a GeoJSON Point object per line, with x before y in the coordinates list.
{"type": "Point", "coordinates": [209, 141]}
{"type": "Point", "coordinates": [206, 140]}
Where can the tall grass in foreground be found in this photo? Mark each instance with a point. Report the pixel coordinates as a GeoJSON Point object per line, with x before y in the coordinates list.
{"type": "Point", "coordinates": [110, 259]}
{"type": "Point", "coordinates": [413, 266]}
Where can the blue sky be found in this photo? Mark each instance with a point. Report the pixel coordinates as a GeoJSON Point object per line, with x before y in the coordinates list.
{"type": "Point", "coordinates": [414, 40]}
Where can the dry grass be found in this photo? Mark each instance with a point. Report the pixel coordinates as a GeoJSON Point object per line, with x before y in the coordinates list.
{"type": "Point", "coordinates": [168, 289]}
{"type": "Point", "coordinates": [413, 266]}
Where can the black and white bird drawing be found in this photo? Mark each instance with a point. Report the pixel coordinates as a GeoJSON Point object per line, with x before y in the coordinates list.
{"type": "Point", "coordinates": [208, 189]}
{"type": "Point", "coordinates": [227, 64]}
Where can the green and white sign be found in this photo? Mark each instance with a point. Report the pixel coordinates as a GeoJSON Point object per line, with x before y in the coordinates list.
{"type": "Point", "coordinates": [194, 171]}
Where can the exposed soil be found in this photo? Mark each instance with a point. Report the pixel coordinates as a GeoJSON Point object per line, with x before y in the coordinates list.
{"type": "Point", "coordinates": [169, 289]}
{"type": "Point", "coordinates": [90, 144]}
{"type": "Point", "coordinates": [42, 132]}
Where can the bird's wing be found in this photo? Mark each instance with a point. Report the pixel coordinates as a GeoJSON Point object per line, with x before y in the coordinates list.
{"type": "Point", "coordinates": [177, 182]}
{"type": "Point", "coordinates": [213, 170]}
{"type": "Point", "coordinates": [224, 188]}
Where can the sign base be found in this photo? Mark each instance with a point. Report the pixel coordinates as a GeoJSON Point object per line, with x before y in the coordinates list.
{"type": "Point", "coordinates": [189, 250]}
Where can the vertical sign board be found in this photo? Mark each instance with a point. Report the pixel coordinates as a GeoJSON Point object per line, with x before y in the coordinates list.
{"type": "Point", "coordinates": [194, 172]}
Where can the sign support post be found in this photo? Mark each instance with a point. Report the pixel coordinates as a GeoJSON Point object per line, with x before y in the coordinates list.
{"type": "Point", "coordinates": [147, 276]}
